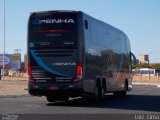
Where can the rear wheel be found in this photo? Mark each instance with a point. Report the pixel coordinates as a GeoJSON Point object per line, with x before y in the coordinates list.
{"type": "Point", "coordinates": [102, 92]}
{"type": "Point", "coordinates": [99, 92]}
{"type": "Point", "coordinates": [124, 92]}
{"type": "Point", "coordinates": [63, 99]}
{"type": "Point", "coordinates": [50, 98]}
{"type": "Point", "coordinates": [121, 93]}
{"type": "Point", "coordinates": [96, 94]}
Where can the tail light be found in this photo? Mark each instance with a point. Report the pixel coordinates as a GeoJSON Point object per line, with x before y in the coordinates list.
{"type": "Point", "coordinates": [29, 77]}
{"type": "Point", "coordinates": [78, 73]}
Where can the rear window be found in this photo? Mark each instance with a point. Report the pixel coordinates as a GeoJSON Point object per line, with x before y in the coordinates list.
{"type": "Point", "coordinates": [53, 30]}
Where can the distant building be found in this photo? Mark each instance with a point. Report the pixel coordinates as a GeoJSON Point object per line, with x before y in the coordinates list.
{"type": "Point", "coordinates": [144, 59]}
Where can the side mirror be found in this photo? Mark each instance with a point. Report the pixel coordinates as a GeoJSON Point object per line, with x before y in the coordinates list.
{"type": "Point", "coordinates": [133, 58]}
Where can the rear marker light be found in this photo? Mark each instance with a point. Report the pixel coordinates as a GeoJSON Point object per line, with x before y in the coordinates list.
{"type": "Point", "coordinates": [78, 70]}
{"type": "Point", "coordinates": [52, 31]}
{"type": "Point", "coordinates": [78, 73]}
{"type": "Point", "coordinates": [29, 77]}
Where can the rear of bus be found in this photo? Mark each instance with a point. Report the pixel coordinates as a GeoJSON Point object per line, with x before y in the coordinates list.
{"type": "Point", "coordinates": [54, 60]}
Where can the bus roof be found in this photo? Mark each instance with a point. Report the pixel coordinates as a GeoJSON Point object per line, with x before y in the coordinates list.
{"type": "Point", "coordinates": [56, 11]}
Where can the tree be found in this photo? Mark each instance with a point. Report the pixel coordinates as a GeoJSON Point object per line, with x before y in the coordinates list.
{"type": "Point", "coordinates": [142, 65]}
{"type": "Point", "coordinates": [156, 66]}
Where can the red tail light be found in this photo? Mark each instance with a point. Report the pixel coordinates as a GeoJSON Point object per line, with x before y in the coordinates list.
{"type": "Point", "coordinates": [78, 73]}
{"type": "Point", "coordinates": [79, 69]}
{"type": "Point", "coordinates": [29, 70]}
{"type": "Point", "coordinates": [30, 78]}
{"type": "Point", "coordinates": [53, 31]}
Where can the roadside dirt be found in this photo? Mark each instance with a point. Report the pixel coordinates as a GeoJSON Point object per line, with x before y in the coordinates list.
{"type": "Point", "coordinates": [18, 85]}
{"type": "Point", "coordinates": [13, 86]}
{"type": "Point", "coordinates": [146, 80]}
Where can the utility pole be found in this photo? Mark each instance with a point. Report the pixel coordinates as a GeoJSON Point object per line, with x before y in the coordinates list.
{"type": "Point", "coordinates": [4, 44]}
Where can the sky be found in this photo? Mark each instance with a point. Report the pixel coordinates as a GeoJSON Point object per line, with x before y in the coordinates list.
{"type": "Point", "coordinates": [139, 19]}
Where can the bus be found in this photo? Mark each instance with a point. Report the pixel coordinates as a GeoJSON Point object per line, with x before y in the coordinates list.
{"type": "Point", "coordinates": [72, 54]}
{"type": "Point", "coordinates": [145, 72]}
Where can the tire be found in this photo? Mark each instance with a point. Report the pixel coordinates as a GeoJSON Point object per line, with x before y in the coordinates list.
{"type": "Point", "coordinates": [63, 99]}
{"type": "Point", "coordinates": [120, 93]}
{"type": "Point", "coordinates": [96, 94]}
{"type": "Point", "coordinates": [102, 93]}
{"type": "Point", "coordinates": [50, 98]}
{"type": "Point", "coordinates": [124, 92]}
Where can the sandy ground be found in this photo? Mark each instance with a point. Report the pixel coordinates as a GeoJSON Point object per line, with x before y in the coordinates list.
{"type": "Point", "coordinates": [18, 85]}
{"type": "Point", "coordinates": [13, 86]}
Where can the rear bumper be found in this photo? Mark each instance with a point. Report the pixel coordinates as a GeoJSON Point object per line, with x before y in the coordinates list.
{"type": "Point", "coordinates": [68, 90]}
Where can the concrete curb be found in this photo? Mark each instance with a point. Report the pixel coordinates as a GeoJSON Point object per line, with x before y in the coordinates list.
{"type": "Point", "coordinates": [151, 84]}
{"type": "Point", "coordinates": [14, 96]}
{"type": "Point", "coordinates": [13, 80]}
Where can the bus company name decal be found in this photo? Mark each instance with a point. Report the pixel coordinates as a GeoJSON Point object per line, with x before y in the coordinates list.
{"type": "Point", "coordinates": [52, 21]}
{"type": "Point", "coordinates": [65, 64]}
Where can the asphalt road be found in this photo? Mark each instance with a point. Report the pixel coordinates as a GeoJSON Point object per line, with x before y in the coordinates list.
{"type": "Point", "coordinates": [142, 100]}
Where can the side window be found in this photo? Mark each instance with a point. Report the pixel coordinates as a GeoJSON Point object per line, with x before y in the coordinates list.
{"type": "Point", "coordinates": [115, 41]}
{"type": "Point", "coordinates": [98, 34]}
{"type": "Point", "coordinates": [106, 37]}
{"type": "Point", "coordinates": [94, 32]}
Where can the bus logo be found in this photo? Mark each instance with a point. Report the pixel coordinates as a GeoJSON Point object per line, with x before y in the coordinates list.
{"type": "Point", "coordinates": [65, 64]}
{"type": "Point", "coordinates": [52, 21]}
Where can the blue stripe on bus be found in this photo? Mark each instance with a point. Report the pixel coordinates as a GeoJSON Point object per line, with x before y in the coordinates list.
{"type": "Point", "coordinates": [44, 66]}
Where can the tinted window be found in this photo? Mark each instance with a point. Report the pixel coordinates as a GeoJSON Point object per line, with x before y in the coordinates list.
{"type": "Point", "coordinates": [55, 30]}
